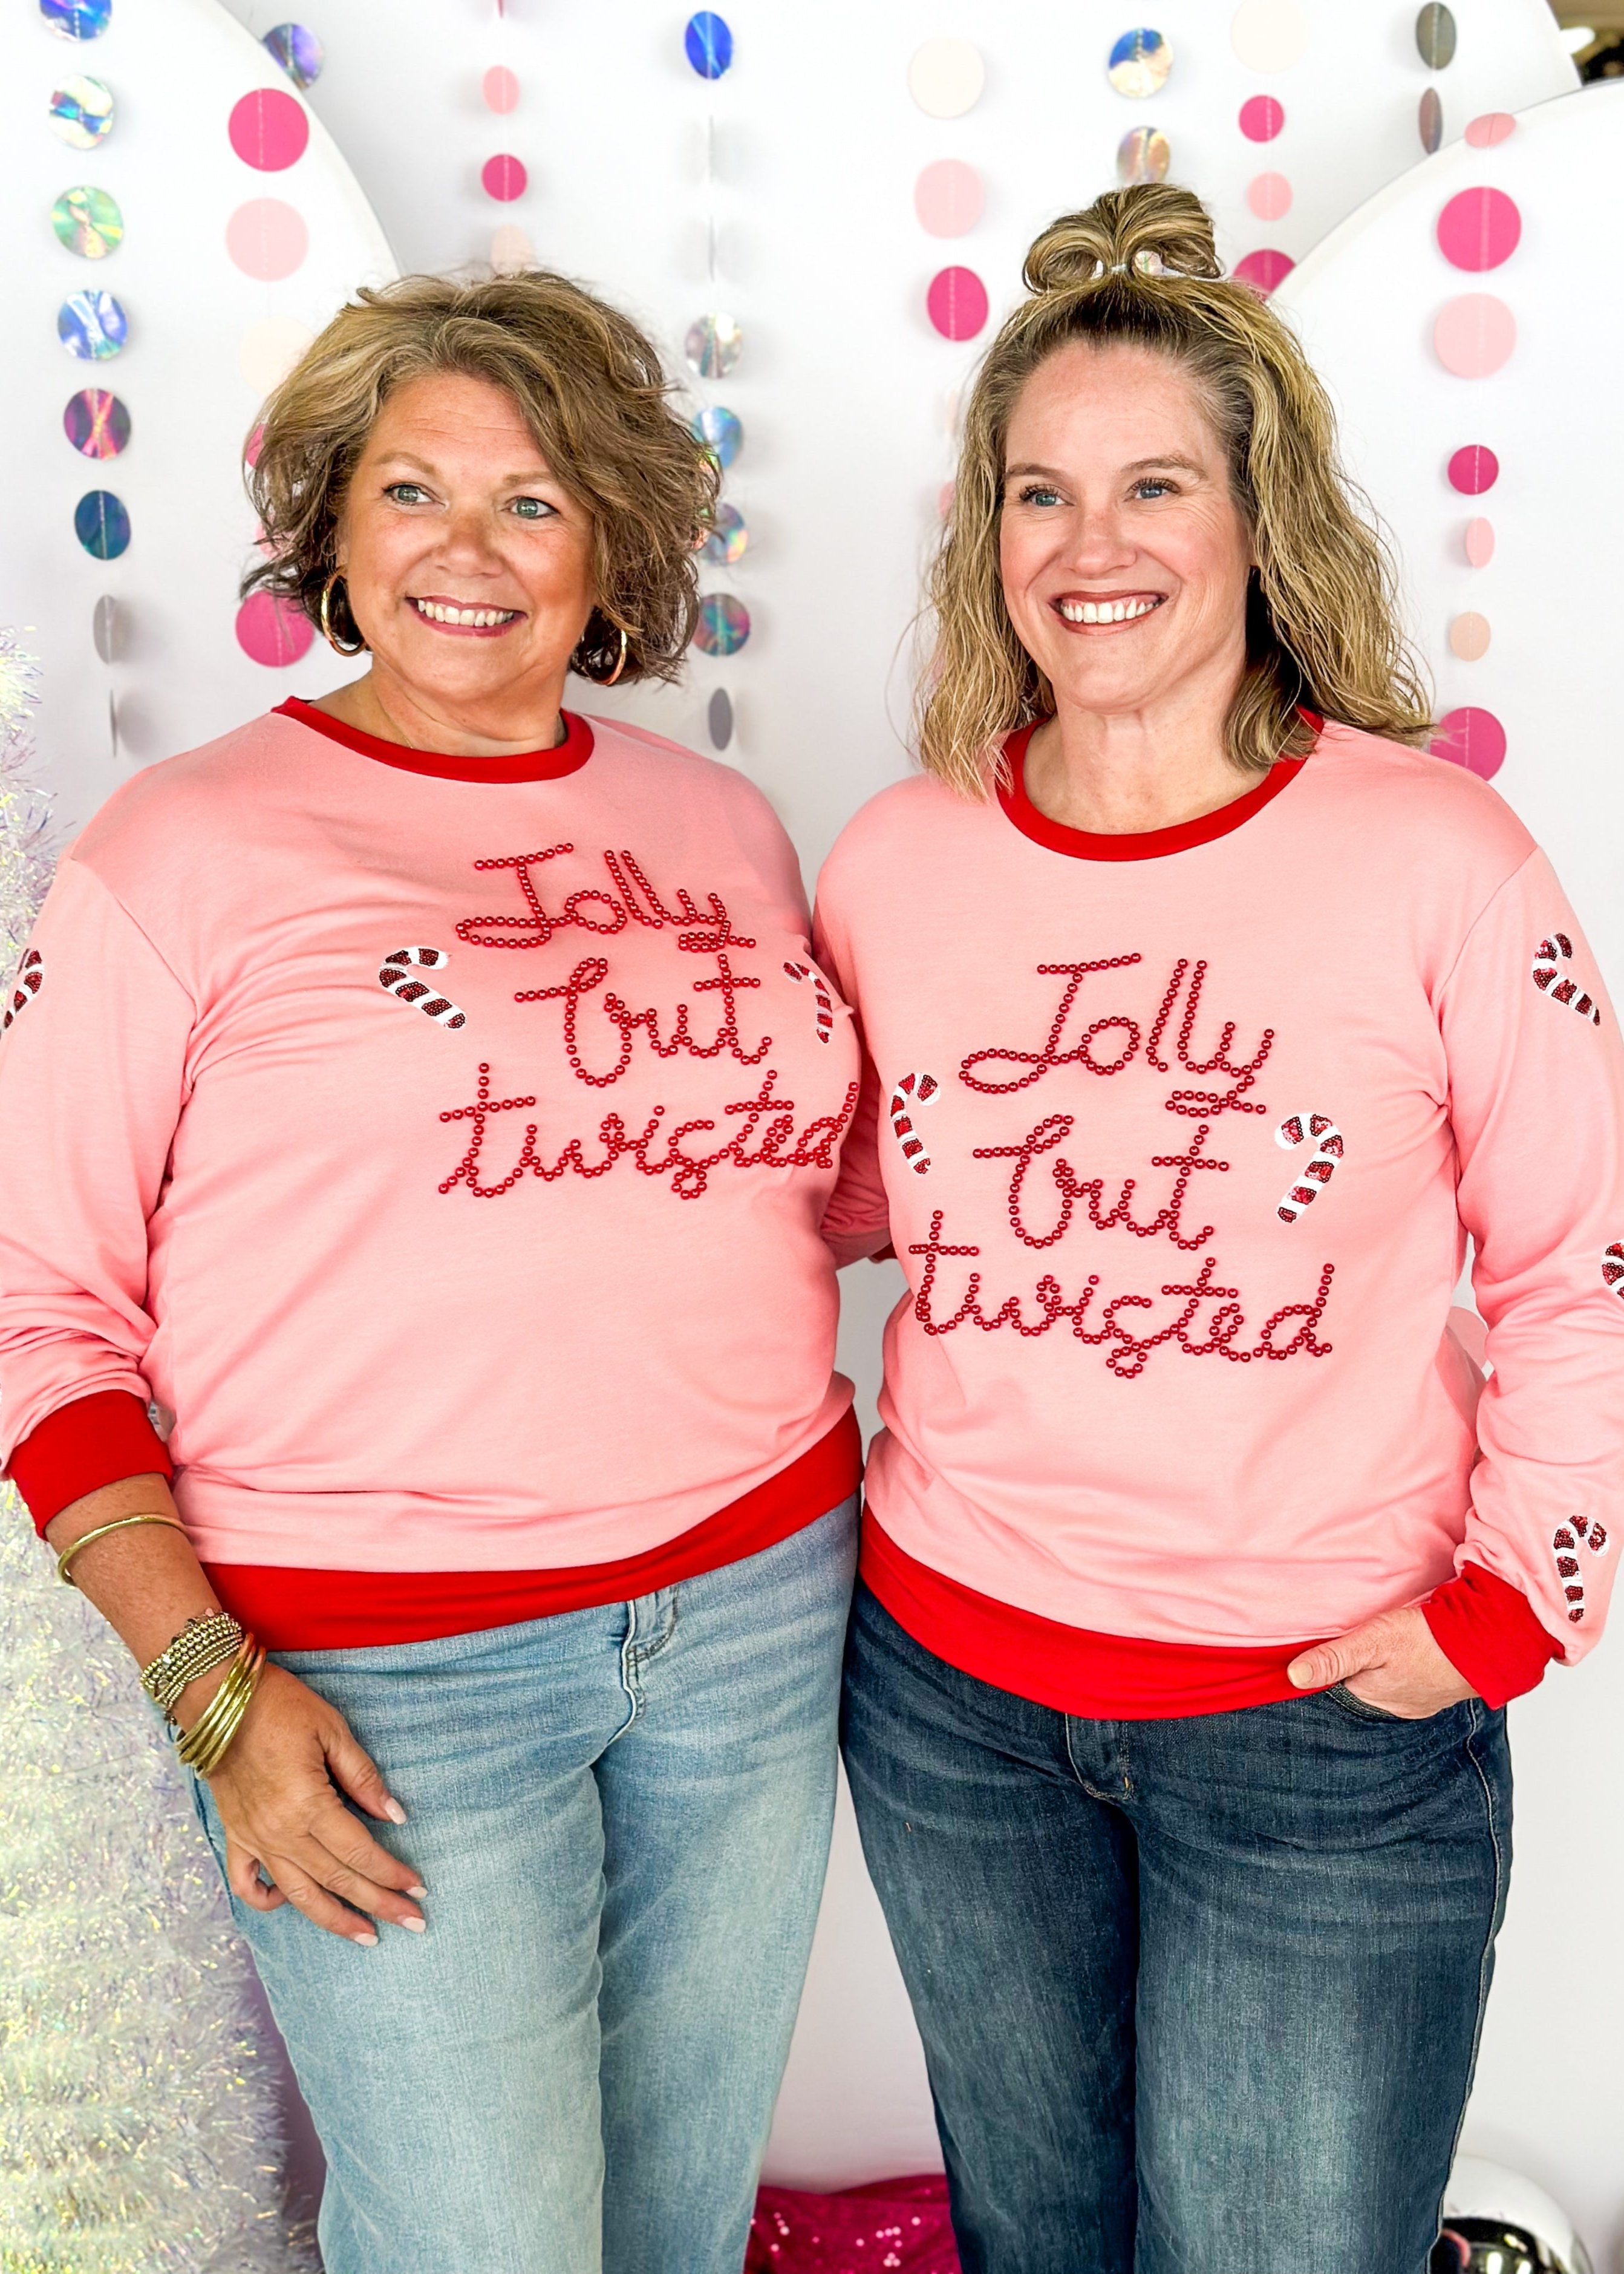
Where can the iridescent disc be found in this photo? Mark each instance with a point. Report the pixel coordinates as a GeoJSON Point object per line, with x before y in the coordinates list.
{"type": "Point", "coordinates": [707, 44]}
{"type": "Point", "coordinates": [719, 719]}
{"type": "Point", "coordinates": [721, 430]}
{"type": "Point", "coordinates": [1139, 64]}
{"type": "Point", "coordinates": [81, 113]}
{"type": "Point", "coordinates": [101, 524]}
{"type": "Point", "coordinates": [724, 625]}
{"type": "Point", "coordinates": [78, 19]}
{"type": "Point", "coordinates": [1430, 121]}
{"type": "Point", "coordinates": [106, 628]}
{"type": "Point", "coordinates": [1143, 156]}
{"type": "Point", "coordinates": [298, 51]}
{"type": "Point", "coordinates": [88, 222]}
{"type": "Point", "coordinates": [1435, 35]}
{"type": "Point", "coordinates": [729, 536]}
{"type": "Point", "coordinates": [92, 326]}
{"type": "Point", "coordinates": [713, 345]}
{"type": "Point", "coordinates": [96, 423]}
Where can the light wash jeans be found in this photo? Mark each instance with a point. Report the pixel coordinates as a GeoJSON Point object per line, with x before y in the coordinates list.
{"type": "Point", "coordinates": [622, 1819]}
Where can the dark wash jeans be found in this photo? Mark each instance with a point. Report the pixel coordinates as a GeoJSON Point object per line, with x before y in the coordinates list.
{"type": "Point", "coordinates": [1198, 1996]}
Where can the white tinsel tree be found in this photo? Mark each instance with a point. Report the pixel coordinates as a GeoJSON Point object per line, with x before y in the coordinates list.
{"type": "Point", "coordinates": [138, 2130]}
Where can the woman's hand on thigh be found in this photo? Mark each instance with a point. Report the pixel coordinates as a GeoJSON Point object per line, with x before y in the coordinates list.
{"type": "Point", "coordinates": [275, 1792]}
{"type": "Point", "coordinates": [1392, 1662]}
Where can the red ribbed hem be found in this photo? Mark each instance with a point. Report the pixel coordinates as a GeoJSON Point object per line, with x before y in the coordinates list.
{"type": "Point", "coordinates": [1490, 1633]}
{"type": "Point", "coordinates": [299, 1610]}
{"type": "Point", "coordinates": [1103, 1677]}
{"type": "Point", "coordinates": [97, 1440]}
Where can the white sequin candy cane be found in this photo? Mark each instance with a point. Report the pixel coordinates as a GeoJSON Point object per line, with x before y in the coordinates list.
{"type": "Point", "coordinates": [399, 975]}
{"type": "Point", "coordinates": [822, 1001]}
{"type": "Point", "coordinates": [1295, 1129]}
{"type": "Point", "coordinates": [30, 979]}
{"type": "Point", "coordinates": [1565, 1547]}
{"type": "Point", "coordinates": [1552, 952]}
{"type": "Point", "coordinates": [915, 1089]}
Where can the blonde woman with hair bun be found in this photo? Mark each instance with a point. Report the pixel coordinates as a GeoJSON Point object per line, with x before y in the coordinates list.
{"type": "Point", "coordinates": [1208, 1019]}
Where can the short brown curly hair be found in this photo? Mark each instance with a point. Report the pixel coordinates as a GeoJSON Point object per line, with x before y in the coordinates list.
{"type": "Point", "coordinates": [591, 390]}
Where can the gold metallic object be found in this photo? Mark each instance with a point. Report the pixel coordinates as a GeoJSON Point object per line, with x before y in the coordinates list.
{"type": "Point", "coordinates": [323, 617]}
{"type": "Point", "coordinates": [100, 1532]}
{"type": "Point", "coordinates": [205, 1744]}
{"type": "Point", "coordinates": [203, 1644]}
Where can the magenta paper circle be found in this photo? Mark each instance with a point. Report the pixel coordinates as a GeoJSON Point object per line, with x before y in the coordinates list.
{"type": "Point", "coordinates": [504, 178]}
{"type": "Point", "coordinates": [957, 302]}
{"type": "Point", "coordinates": [1264, 269]}
{"type": "Point", "coordinates": [1261, 117]}
{"type": "Point", "coordinates": [1473, 739]}
{"type": "Point", "coordinates": [948, 198]}
{"type": "Point", "coordinates": [500, 90]}
{"type": "Point", "coordinates": [267, 239]}
{"type": "Point", "coordinates": [1474, 468]}
{"type": "Point", "coordinates": [272, 632]}
{"type": "Point", "coordinates": [1493, 126]}
{"type": "Point", "coordinates": [1269, 196]}
{"type": "Point", "coordinates": [268, 130]}
{"type": "Point", "coordinates": [1479, 542]}
{"type": "Point", "coordinates": [1479, 228]}
{"type": "Point", "coordinates": [1474, 335]}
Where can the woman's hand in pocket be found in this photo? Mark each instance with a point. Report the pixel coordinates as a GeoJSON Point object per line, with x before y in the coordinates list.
{"type": "Point", "coordinates": [1392, 1662]}
{"type": "Point", "coordinates": [278, 1795]}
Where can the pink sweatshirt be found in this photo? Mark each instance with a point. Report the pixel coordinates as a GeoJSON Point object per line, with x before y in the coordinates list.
{"type": "Point", "coordinates": [443, 1144]}
{"type": "Point", "coordinates": [1236, 1093]}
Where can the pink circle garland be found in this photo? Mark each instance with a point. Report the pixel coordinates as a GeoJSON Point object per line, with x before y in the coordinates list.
{"type": "Point", "coordinates": [504, 178]}
{"type": "Point", "coordinates": [500, 90]}
{"type": "Point", "coordinates": [1264, 269]}
{"type": "Point", "coordinates": [1473, 468]}
{"type": "Point", "coordinates": [1261, 118]}
{"type": "Point", "coordinates": [948, 198]}
{"type": "Point", "coordinates": [267, 239]}
{"type": "Point", "coordinates": [1269, 196]}
{"type": "Point", "coordinates": [1479, 228]}
{"type": "Point", "coordinates": [957, 302]}
{"type": "Point", "coordinates": [1473, 739]}
{"type": "Point", "coordinates": [1494, 126]}
{"type": "Point", "coordinates": [272, 631]}
{"type": "Point", "coordinates": [1474, 335]}
{"type": "Point", "coordinates": [1477, 542]}
{"type": "Point", "coordinates": [268, 130]}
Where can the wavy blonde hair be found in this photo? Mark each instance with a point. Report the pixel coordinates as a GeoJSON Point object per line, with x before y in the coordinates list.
{"type": "Point", "coordinates": [1139, 267]}
{"type": "Point", "coordinates": [591, 390]}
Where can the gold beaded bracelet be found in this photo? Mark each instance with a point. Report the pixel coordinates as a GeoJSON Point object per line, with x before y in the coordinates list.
{"type": "Point", "coordinates": [204, 1642]}
{"type": "Point", "coordinates": [123, 1523]}
{"type": "Point", "coordinates": [204, 1746]}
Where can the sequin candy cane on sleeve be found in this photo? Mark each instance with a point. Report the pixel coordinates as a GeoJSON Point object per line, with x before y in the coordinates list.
{"type": "Point", "coordinates": [915, 1089]}
{"type": "Point", "coordinates": [822, 1001]}
{"type": "Point", "coordinates": [399, 976]}
{"type": "Point", "coordinates": [1295, 1129]}
{"type": "Point", "coordinates": [30, 979]}
{"type": "Point", "coordinates": [1553, 951]}
{"type": "Point", "coordinates": [1565, 1547]}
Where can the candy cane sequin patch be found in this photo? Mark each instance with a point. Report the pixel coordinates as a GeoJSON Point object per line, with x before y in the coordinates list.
{"type": "Point", "coordinates": [1565, 1544]}
{"type": "Point", "coordinates": [399, 976]}
{"type": "Point", "coordinates": [30, 979]}
{"type": "Point", "coordinates": [1612, 1267]}
{"type": "Point", "coordinates": [1326, 1138]}
{"type": "Point", "coordinates": [822, 1001]}
{"type": "Point", "coordinates": [1556, 984]}
{"type": "Point", "coordinates": [913, 1091]}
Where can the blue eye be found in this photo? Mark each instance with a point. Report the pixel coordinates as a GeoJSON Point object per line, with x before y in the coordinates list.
{"type": "Point", "coordinates": [1039, 493]}
{"type": "Point", "coordinates": [406, 493]}
{"type": "Point", "coordinates": [1153, 487]}
{"type": "Point", "coordinates": [530, 508]}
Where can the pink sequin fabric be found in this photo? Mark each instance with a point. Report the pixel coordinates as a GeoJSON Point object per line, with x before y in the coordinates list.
{"type": "Point", "coordinates": [901, 2225]}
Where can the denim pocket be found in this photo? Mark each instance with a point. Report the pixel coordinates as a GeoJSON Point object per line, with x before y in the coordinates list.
{"type": "Point", "coordinates": [1360, 1709]}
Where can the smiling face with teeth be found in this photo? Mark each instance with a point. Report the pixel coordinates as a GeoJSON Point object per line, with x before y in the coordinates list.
{"type": "Point", "coordinates": [1123, 553]}
{"type": "Point", "coordinates": [467, 567]}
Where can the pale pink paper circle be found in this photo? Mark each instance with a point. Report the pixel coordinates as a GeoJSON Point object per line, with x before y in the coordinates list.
{"type": "Point", "coordinates": [1269, 36]}
{"type": "Point", "coordinates": [511, 249]}
{"type": "Point", "coordinates": [1479, 228]}
{"type": "Point", "coordinates": [944, 499]}
{"type": "Point", "coordinates": [1470, 635]}
{"type": "Point", "coordinates": [1474, 336]}
{"type": "Point", "coordinates": [946, 76]}
{"type": "Point", "coordinates": [1269, 195]}
{"type": "Point", "coordinates": [272, 632]}
{"type": "Point", "coordinates": [500, 90]}
{"type": "Point", "coordinates": [1493, 126]}
{"type": "Point", "coordinates": [948, 198]}
{"type": "Point", "coordinates": [267, 239]}
{"type": "Point", "coordinates": [1479, 542]}
{"type": "Point", "coordinates": [269, 350]}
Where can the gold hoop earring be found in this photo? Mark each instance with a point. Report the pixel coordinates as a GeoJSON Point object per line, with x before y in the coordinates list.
{"type": "Point", "coordinates": [621, 665]}
{"type": "Point", "coordinates": [324, 619]}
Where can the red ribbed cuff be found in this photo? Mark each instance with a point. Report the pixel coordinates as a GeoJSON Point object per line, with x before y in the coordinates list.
{"type": "Point", "coordinates": [97, 1440]}
{"type": "Point", "coordinates": [1488, 1632]}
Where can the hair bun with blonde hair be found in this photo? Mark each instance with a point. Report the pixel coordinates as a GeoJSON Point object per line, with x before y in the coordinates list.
{"type": "Point", "coordinates": [1149, 229]}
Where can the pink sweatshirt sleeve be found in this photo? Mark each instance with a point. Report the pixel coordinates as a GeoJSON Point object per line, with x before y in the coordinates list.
{"type": "Point", "coordinates": [857, 1221]}
{"type": "Point", "coordinates": [1535, 1077]}
{"type": "Point", "coordinates": [92, 1077]}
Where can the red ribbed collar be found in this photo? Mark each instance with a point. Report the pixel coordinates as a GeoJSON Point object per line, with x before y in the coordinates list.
{"type": "Point", "coordinates": [566, 757]}
{"type": "Point", "coordinates": [1133, 845]}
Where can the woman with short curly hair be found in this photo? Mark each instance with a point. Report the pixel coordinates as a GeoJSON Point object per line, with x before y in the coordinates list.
{"type": "Point", "coordinates": [1212, 1019]}
{"type": "Point", "coordinates": [415, 1331]}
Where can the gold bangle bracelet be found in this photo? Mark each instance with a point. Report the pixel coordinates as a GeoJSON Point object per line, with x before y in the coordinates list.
{"type": "Point", "coordinates": [205, 1642]}
{"type": "Point", "coordinates": [204, 1746]}
{"type": "Point", "coordinates": [123, 1524]}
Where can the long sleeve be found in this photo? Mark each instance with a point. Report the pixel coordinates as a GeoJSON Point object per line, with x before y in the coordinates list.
{"type": "Point", "coordinates": [91, 1079]}
{"type": "Point", "coordinates": [857, 1221]}
{"type": "Point", "coordinates": [1536, 1105]}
